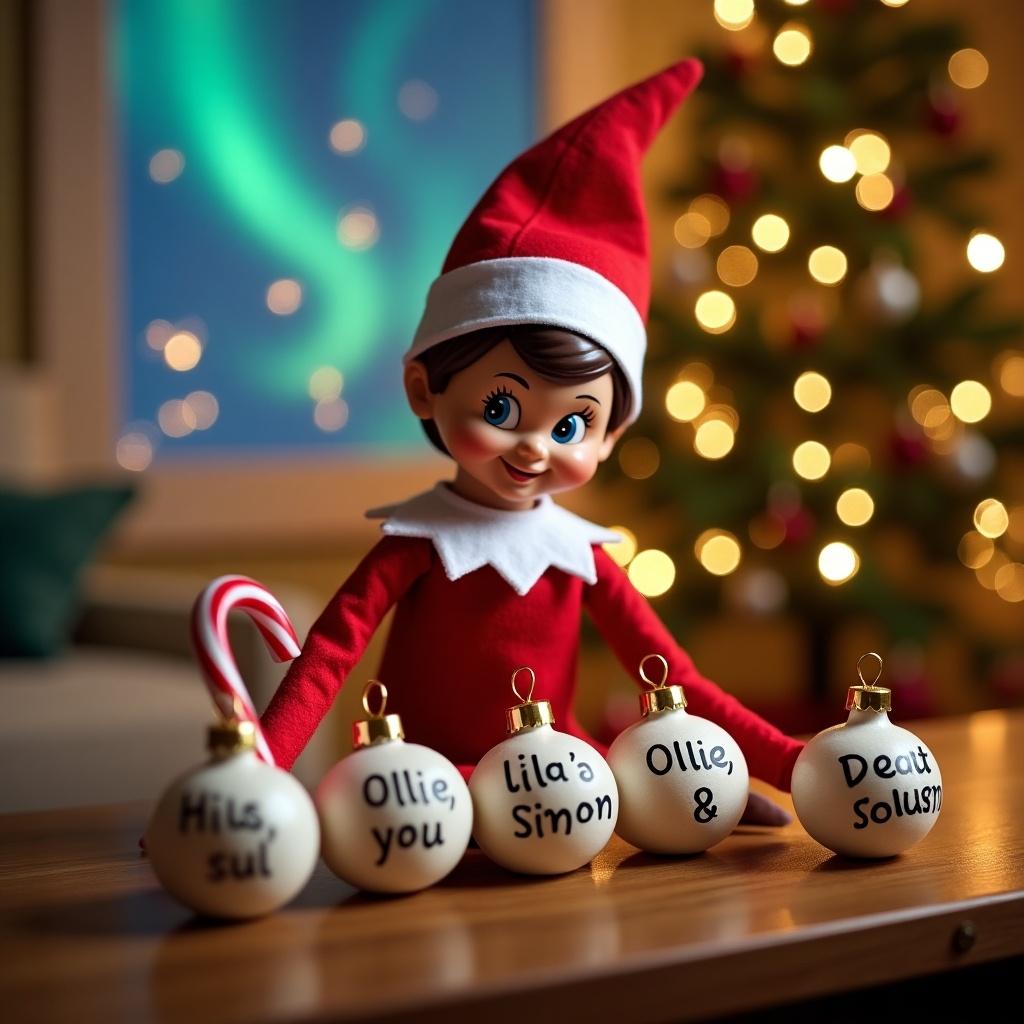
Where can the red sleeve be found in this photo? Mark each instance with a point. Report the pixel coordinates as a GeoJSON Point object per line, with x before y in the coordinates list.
{"type": "Point", "coordinates": [337, 641]}
{"type": "Point", "coordinates": [633, 630]}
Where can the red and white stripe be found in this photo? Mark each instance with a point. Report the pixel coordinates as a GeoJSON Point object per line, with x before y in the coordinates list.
{"type": "Point", "coordinates": [213, 649]}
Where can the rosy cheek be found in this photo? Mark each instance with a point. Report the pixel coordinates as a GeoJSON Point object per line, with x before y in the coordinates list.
{"type": "Point", "coordinates": [469, 441]}
{"type": "Point", "coordinates": [578, 468]}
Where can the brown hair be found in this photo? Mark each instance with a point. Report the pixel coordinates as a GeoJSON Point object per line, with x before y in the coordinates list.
{"type": "Point", "coordinates": [560, 356]}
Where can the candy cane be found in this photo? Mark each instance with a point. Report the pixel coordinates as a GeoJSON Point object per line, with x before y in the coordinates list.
{"type": "Point", "coordinates": [213, 651]}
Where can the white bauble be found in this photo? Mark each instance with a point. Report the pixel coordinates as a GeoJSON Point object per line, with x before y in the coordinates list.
{"type": "Point", "coordinates": [867, 788]}
{"type": "Point", "coordinates": [544, 802]}
{"type": "Point", "coordinates": [683, 782]}
{"type": "Point", "coordinates": [234, 838]}
{"type": "Point", "coordinates": [395, 817]}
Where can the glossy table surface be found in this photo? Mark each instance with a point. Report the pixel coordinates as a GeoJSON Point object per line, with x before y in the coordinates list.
{"type": "Point", "coordinates": [765, 917]}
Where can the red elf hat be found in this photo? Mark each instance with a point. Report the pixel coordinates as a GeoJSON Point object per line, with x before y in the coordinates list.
{"type": "Point", "coordinates": [560, 238]}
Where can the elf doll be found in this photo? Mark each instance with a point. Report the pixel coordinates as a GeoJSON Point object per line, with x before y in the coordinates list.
{"type": "Point", "coordinates": [525, 370]}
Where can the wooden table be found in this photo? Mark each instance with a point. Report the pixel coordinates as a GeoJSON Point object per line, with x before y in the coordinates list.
{"type": "Point", "coordinates": [766, 917]}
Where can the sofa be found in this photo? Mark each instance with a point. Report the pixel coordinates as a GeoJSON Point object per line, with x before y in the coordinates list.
{"type": "Point", "coordinates": [124, 709]}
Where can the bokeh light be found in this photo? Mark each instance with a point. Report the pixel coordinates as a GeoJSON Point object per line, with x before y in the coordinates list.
{"type": "Point", "coordinates": [855, 506]}
{"type": "Point", "coordinates": [827, 264]}
{"type": "Point", "coordinates": [875, 192]}
{"type": "Point", "coordinates": [1009, 367]}
{"type": "Point", "coordinates": [639, 458]}
{"type": "Point", "coordinates": [837, 163]}
{"type": "Point", "coordinates": [417, 100]}
{"type": "Point", "coordinates": [325, 382]}
{"type": "Point", "coordinates": [737, 266]}
{"type": "Point", "coordinates": [358, 228]}
{"type": "Point", "coordinates": [812, 392]}
{"type": "Point", "coordinates": [714, 439]}
{"type": "Point", "coordinates": [714, 210]}
{"type": "Point", "coordinates": [985, 252]}
{"type": "Point", "coordinates": [347, 136]}
{"type": "Point", "coordinates": [182, 351]}
{"type": "Point", "coordinates": [838, 562]}
{"type": "Point", "coordinates": [715, 311]}
{"type": "Point", "coordinates": [1009, 582]}
{"type": "Point", "coordinates": [158, 333]}
{"type": "Point", "coordinates": [330, 414]}
{"type": "Point", "coordinates": [203, 407]}
{"type": "Point", "coordinates": [284, 296]}
{"type": "Point", "coordinates": [734, 15]}
{"type": "Point", "coordinates": [165, 165]}
{"type": "Point", "coordinates": [652, 572]}
{"type": "Point", "coordinates": [792, 45]}
{"type": "Point", "coordinates": [134, 451]}
{"type": "Point", "coordinates": [176, 419]}
{"type": "Point", "coordinates": [968, 68]}
{"type": "Point", "coordinates": [718, 551]}
{"type": "Point", "coordinates": [692, 230]}
{"type": "Point", "coordinates": [974, 550]}
{"type": "Point", "coordinates": [850, 456]}
{"type": "Point", "coordinates": [871, 152]}
{"type": "Point", "coordinates": [811, 460]}
{"type": "Point", "coordinates": [621, 551]}
{"type": "Point", "coordinates": [685, 401]}
{"type": "Point", "coordinates": [770, 232]}
{"type": "Point", "coordinates": [991, 518]}
{"type": "Point", "coordinates": [970, 401]}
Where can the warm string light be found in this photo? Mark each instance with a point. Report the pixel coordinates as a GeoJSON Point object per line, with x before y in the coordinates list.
{"type": "Point", "coordinates": [990, 518]}
{"type": "Point", "coordinates": [812, 392]}
{"type": "Point", "coordinates": [792, 44]}
{"type": "Point", "coordinates": [811, 460]}
{"type": "Point", "coordinates": [134, 451]}
{"type": "Point", "coordinates": [685, 400]}
{"type": "Point", "coordinates": [985, 252]}
{"type": "Point", "coordinates": [734, 15]}
{"type": "Point", "coordinates": [968, 68]}
{"type": "Point", "coordinates": [837, 164]}
{"type": "Point", "coordinates": [770, 232]}
{"type": "Point", "coordinates": [715, 311]}
{"type": "Point", "coordinates": [718, 551]}
{"type": "Point", "coordinates": [827, 264]}
{"type": "Point", "coordinates": [855, 506]}
{"type": "Point", "coordinates": [737, 266]}
{"type": "Point", "coordinates": [330, 414]}
{"type": "Point", "coordinates": [838, 563]}
{"type": "Point", "coordinates": [1009, 368]}
{"type": "Point", "coordinates": [325, 382]}
{"type": "Point", "coordinates": [652, 572]}
{"type": "Point", "coordinates": [970, 401]}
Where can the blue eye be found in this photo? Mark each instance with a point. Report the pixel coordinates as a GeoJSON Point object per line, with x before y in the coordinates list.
{"type": "Point", "coordinates": [570, 429]}
{"type": "Point", "coordinates": [501, 410]}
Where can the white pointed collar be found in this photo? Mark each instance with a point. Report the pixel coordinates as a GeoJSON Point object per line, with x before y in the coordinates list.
{"type": "Point", "coordinates": [520, 545]}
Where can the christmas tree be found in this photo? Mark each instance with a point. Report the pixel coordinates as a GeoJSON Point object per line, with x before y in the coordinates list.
{"type": "Point", "coordinates": [824, 436]}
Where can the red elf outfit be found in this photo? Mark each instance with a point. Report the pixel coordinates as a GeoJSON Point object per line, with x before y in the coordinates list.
{"type": "Point", "coordinates": [559, 240]}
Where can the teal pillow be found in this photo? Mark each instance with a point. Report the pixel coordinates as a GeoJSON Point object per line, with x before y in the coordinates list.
{"type": "Point", "coordinates": [46, 539]}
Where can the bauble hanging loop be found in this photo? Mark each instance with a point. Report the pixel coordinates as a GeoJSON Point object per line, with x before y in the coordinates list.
{"type": "Point", "coordinates": [683, 782]}
{"type": "Point", "coordinates": [395, 816]}
{"type": "Point", "coordinates": [544, 802]}
{"type": "Point", "coordinates": [866, 787]}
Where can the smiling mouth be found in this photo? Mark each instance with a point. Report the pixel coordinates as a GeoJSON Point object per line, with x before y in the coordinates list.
{"type": "Point", "coordinates": [517, 474]}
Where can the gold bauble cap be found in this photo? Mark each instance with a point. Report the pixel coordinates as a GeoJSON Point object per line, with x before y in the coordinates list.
{"type": "Point", "coordinates": [529, 713]}
{"type": "Point", "coordinates": [867, 696]}
{"type": "Point", "coordinates": [662, 696]}
{"type": "Point", "coordinates": [378, 727]}
{"type": "Point", "coordinates": [231, 736]}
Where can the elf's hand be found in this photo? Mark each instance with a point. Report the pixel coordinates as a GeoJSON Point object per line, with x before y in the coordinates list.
{"type": "Point", "coordinates": [761, 811]}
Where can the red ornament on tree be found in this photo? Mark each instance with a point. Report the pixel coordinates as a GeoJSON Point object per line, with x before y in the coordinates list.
{"type": "Point", "coordinates": [908, 447]}
{"type": "Point", "coordinates": [735, 184]}
{"type": "Point", "coordinates": [943, 114]}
